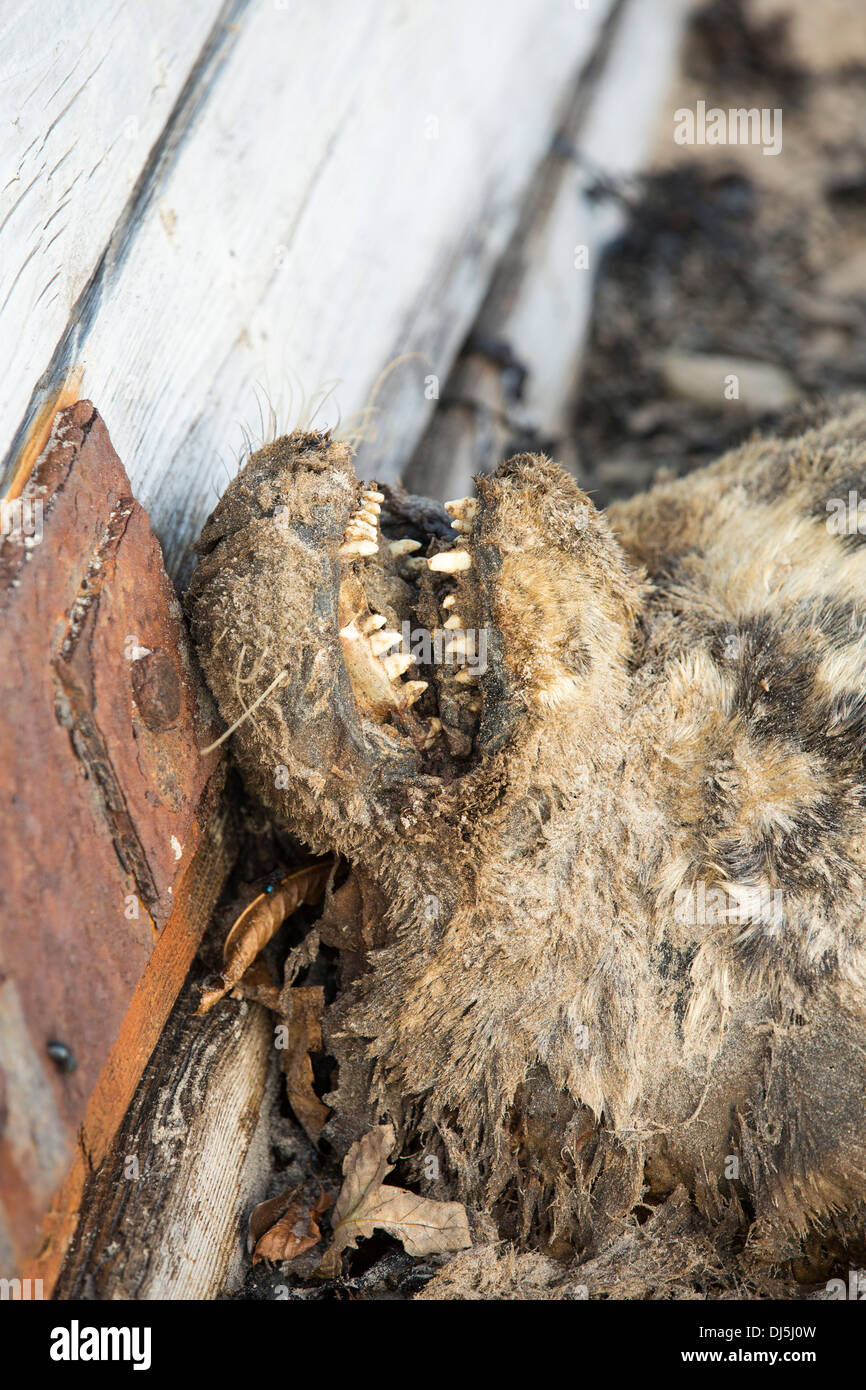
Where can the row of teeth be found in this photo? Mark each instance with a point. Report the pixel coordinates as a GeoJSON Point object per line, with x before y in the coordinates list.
{"type": "Point", "coordinates": [362, 531]}
{"type": "Point", "coordinates": [380, 640]}
{"type": "Point", "coordinates": [361, 539]}
{"type": "Point", "coordinates": [463, 676]}
{"type": "Point", "coordinates": [462, 511]}
{"type": "Point", "coordinates": [362, 535]}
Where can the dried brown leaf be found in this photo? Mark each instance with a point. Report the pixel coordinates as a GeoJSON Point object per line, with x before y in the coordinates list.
{"type": "Point", "coordinates": [301, 956]}
{"type": "Point", "coordinates": [365, 1204]}
{"type": "Point", "coordinates": [257, 985]}
{"type": "Point", "coordinates": [352, 916]}
{"type": "Point", "coordinates": [294, 1231]}
{"type": "Point", "coordinates": [257, 924]}
{"type": "Point", "coordinates": [304, 1008]}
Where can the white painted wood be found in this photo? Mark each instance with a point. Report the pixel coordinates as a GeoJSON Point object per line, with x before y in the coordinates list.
{"type": "Point", "coordinates": [548, 316]}
{"type": "Point", "coordinates": [540, 300]}
{"type": "Point", "coordinates": [87, 89]}
{"type": "Point", "coordinates": [342, 188]}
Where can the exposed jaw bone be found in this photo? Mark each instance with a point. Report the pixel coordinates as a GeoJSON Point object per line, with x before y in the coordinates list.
{"type": "Point", "coordinates": [375, 678]}
{"type": "Point", "coordinates": [370, 681]}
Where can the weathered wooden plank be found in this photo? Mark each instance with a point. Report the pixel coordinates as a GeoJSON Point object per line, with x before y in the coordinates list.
{"type": "Point", "coordinates": [515, 385]}
{"type": "Point", "coordinates": [109, 819]}
{"type": "Point", "coordinates": [340, 193]}
{"type": "Point", "coordinates": [166, 1215]}
{"type": "Point", "coordinates": [87, 91]}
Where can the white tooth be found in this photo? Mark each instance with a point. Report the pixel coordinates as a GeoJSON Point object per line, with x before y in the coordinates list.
{"type": "Point", "coordinates": [464, 507]}
{"type": "Point", "coordinates": [369, 514]}
{"type": "Point", "coordinates": [414, 690]}
{"type": "Point", "coordinates": [370, 494]}
{"type": "Point", "coordinates": [383, 641]}
{"type": "Point", "coordinates": [359, 547]}
{"type": "Point", "coordinates": [398, 663]}
{"type": "Point", "coordinates": [361, 528]}
{"type": "Point", "coordinates": [450, 601]}
{"type": "Point", "coordinates": [374, 621]}
{"type": "Point", "coordinates": [434, 730]}
{"type": "Point", "coordinates": [457, 644]}
{"type": "Point", "coordinates": [450, 561]}
{"type": "Point", "coordinates": [465, 677]}
{"type": "Point", "coordinates": [455, 622]}
{"type": "Point", "coordinates": [404, 547]}
{"type": "Point", "coordinates": [464, 527]}
{"type": "Point", "coordinates": [350, 631]}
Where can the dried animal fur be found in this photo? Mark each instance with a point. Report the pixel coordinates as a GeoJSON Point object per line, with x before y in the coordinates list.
{"type": "Point", "coordinates": [620, 948]}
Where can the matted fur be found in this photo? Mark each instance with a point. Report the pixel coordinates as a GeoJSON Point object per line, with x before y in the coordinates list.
{"type": "Point", "coordinates": [673, 719]}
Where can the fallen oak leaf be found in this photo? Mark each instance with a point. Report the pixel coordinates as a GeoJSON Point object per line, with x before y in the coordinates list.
{"type": "Point", "coordinates": [303, 1023]}
{"type": "Point", "coordinates": [365, 1204]}
{"type": "Point", "coordinates": [257, 924]}
{"type": "Point", "coordinates": [293, 1233]}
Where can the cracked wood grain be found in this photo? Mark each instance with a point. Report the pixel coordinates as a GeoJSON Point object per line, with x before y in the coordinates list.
{"type": "Point", "coordinates": [189, 1162]}
{"type": "Point", "coordinates": [302, 222]}
{"type": "Point", "coordinates": [89, 92]}
{"type": "Point", "coordinates": [514, 384]}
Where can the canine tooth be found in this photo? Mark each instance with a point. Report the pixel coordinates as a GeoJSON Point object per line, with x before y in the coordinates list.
{"type": "Point", "coordinates": [358, 547]}
{"type": "Point", "coordinates": [450, 601]}
{"type": "Point", "coordinates": [371, 494]}
{"type": "Point", "coordinates": [453, 622]}
{"type": "Point", "coordinates": [414, 690]}
{"type": "Point", "coordinates": [458, 645]}
{"type": "Point", "coordinates": [465, 677]}
{"type": "Point", "coordinates": [382, 641]}
{"type": "Point", "coordinates": [398, 663]}
{"type": "Point", "coordinates": [450, 561]}
{"type": "Point", "coordinates": [374, 621]}
{"type": "Point", "coordinates": [404, 547]}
